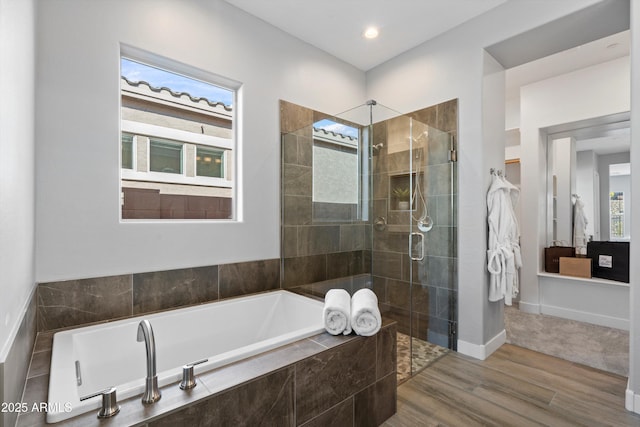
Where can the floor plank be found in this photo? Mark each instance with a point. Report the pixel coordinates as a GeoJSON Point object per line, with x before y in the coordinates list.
{"type": "Point", "coordinates": [513, 387]}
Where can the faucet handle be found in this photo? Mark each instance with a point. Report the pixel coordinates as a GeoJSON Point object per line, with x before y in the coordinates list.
{"type": "Point", "coordinates": [110, 405]}
{"type": "Point", "coordinates": [188, 378]}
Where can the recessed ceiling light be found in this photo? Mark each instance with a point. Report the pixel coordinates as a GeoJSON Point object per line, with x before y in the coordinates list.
{"type": "Point", "coordinates": [371, 33]}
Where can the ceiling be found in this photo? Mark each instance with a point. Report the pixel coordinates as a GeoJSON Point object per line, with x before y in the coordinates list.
{"type": "Point", "coordinates": [337, 26]}
{"type": "Point", "coordinates": [590, 36]}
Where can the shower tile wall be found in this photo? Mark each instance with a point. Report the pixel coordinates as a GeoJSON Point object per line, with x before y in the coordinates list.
{"type": "Point", "coordinates": [434, 292]}
{"type": "Point", "coordinates": [320, 241]}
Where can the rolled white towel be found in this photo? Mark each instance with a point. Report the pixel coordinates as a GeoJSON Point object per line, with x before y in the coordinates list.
{"type": "Point", "coordinates": [365, 315]}
{"type": "Point", "coordinates": [337, 312]}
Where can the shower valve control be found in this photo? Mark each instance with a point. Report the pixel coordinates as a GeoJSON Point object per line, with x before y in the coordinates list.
{"type": "Point", "coordinates": [188, 378]}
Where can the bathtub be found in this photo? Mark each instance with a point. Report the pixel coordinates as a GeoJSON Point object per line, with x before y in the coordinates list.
{"type": "Point", "coordinates": [223, 332]}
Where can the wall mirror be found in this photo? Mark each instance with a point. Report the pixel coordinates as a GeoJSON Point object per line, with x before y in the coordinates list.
{"type": "Point", "coordinates": [589, 160]}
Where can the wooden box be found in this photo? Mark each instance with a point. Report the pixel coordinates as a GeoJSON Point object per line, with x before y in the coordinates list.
{"type": "Point", "coordinates": [578, 267]}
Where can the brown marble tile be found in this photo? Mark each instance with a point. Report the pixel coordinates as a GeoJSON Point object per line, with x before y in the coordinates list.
{"type": "Point", "coordinates": [305, 150]}
{"type": "Point", "coordinates": [230, 376]}
{"type": "Point", "coordinates": [387, 264]}
{"type": "Point", "coordinates": [40, 363]}
{"type": "Point", "coordinates": [248, 277]}
{"type": "Point", "coordinates": [289, 242]}
{"type": "Point", "coordinates": [35, 391]}
{"type": "Point", "coordinates": [294, 117]}
{"type": "Point", "coordinates": [174, 288]}
{"type": "Point", "coordinates": [340, 415]}
{"type": "Point", "coordinates": [297, 210]}
{"type": "Point", "coordinates": [134, 413]}
{"type": "Point", "coordinates": [343, 264]}
{"type": "Point", "coordinates": [428, 115]}
{"type": "Point", "coordinates": [44, 342]}
{"type": "Point", "coordinates": [303, 270]}
{"type": "Point", "coordinates": [289, 147]}
{"type": "Point", "coordinates": [14, 369]}
{"type": "Point", "coordinates": [297, 180]}
{"type": "Point", "coordinates": [448, 116]}
{"type": "Point", "coordinates": [265, 401]}
{"type": "Point", "coordinates": [376, 403]}
{"type": "Point", "coordinates": [421, 298]}
{"type": "Point", "coordinates": [76, 302]}
{"type": "Point", "coordinates": [352, 237]}
{"type": "Point", "coordinates": [328, 341]}
{"type": "Point", "coordinates": [398, 293]}
{"type": "Point", "coordinates": [386, 351]}
{"type": "Point", "coordinates": [318, 239]}
{"type": "Point", "coordinates": [330, 377]}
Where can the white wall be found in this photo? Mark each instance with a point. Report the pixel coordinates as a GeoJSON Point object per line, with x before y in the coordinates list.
{"type": "Point", "coordinates": [592, 92]}
{"type": "Point", "coordinates": [17, 22]}
{"type": "Point", "coordinates": [632, 401]}
{"type": "Point", "coordinates": [77, 132]}
{"type": "Point", "coordinates": [451, 66]}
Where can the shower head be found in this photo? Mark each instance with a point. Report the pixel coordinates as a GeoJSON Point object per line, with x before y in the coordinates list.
{"type": "Point", "coordinates": [377, 146]}
{"type": "Point", "coordinates": [422, 135]}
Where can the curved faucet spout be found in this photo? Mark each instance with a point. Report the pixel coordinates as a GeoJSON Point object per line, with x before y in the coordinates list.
{"type": "Point", "coordinates": [145, 333]}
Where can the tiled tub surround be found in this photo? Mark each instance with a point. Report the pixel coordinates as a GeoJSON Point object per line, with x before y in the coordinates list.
{"type": "Point", "coordinates": [14, 367]}
{"type": "Point", "coordinates": [318, 381]}
{"type": "Point", "coordinates": [216, 334]}
{"type": "Point", "coordinates": [80, 302]}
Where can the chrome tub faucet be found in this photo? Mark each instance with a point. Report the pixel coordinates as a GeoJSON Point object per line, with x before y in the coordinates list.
{"type": "Point", "coordinates": [151, 392]}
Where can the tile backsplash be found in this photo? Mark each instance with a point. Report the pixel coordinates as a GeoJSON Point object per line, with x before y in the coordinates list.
{"type": "Point", "coordinates": [78, 302]}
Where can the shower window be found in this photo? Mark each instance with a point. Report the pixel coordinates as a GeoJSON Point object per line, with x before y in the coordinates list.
{"type": "Point", "coordinates": [336, 171]}
{"type": "Point", "coordinates": [177, 143]}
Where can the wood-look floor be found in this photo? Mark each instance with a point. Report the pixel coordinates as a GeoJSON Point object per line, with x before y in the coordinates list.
{"type": "Point", "coordinates": [513, 387]}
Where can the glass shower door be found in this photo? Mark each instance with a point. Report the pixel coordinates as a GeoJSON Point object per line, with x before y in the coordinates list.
{"type": "Point", "coordinates": [433, 250]}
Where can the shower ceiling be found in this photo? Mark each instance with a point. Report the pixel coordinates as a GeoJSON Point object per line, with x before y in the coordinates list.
{"type": "Point", "coordinates": [337, 26]}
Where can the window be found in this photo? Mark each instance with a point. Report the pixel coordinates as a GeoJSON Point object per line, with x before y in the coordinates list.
{"type": "Point", "coordinates": [616, 210]}
{"type": "Point", "coordinates": [335, 163]}
{"type": "Point", "coordinates": [127, 151]}
{"type": "Point", "coordinates": [165, 156]}
{"type": "Point", "coordinates": [209, 162]}
{"type": "Point", "coordinates": [177, 144]}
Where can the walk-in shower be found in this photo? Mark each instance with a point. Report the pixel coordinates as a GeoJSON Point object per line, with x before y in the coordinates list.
{"type": "Point", "coordinates": [369, 198]}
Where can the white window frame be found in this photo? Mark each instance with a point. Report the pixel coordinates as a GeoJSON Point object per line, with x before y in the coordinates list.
{"type": "Point", "coordinates": [234, 144]}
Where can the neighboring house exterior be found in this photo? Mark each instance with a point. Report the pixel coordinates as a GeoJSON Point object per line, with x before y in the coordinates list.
{"type": "Point", "coordinates": [176, 155]}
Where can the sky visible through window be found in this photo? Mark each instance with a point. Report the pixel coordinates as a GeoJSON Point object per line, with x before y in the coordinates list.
{"type": "Point", "coordinates": [136, 72]}
{"type": "Point", "coordinates": [332, 126]}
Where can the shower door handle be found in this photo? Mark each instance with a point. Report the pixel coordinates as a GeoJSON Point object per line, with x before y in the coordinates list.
{"type": "Point", "coordinates": [421, 257]}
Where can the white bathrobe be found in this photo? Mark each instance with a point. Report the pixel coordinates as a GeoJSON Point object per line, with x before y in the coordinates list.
{"type": "Point", "coordinates": [503, 254]}
{"type": "Point", "coordinates": [579, 227]}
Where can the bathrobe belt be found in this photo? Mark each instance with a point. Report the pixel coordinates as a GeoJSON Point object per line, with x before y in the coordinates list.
{"type": "Point", "coordinates": [498, 259]}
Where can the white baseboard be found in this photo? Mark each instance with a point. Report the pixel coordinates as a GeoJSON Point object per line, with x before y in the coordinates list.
{"type": "Point", "coordinates": [528, 307]}
{"type": "Point", "coordinates": [583, 316]}
{"type": "Point", "coordinates": [482, 351]}
{"type": "Point", "coordinates": [631, 400]}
